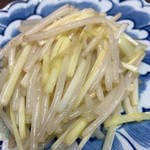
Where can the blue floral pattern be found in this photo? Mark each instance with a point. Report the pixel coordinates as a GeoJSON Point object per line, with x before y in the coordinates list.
{"type": "Point", "coordinates": [129, 136]}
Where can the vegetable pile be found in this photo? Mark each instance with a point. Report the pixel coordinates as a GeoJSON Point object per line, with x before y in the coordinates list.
{"type": "Point", "coordinates": [65, 75]}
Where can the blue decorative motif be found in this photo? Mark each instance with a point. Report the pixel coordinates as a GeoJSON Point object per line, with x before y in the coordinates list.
{"type": "Point", "coordinates": [129, 142]}
{"type": "Point", "coordinates": [93, 144]}
{"type": "Point", "coordinates": [144, 79]}
{"type": "Point", "coordinates": [147, 56]}
{"type": "Point", "coordinates": [145, 109]}
{"type": "Point", "coordinates": [128, 13]}
{"type": "Point", "coordinates": [117, 144]}
{"type": "Point", "coordinates": [1, 142]}
{"type": "Point", "coordinates": [139, 132]}
{"type": "Point", "coordinates": [136, 12]}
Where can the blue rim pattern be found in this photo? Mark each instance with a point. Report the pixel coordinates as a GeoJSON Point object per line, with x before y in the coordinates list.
{"type": "Point", "coordinates": [129, 136]}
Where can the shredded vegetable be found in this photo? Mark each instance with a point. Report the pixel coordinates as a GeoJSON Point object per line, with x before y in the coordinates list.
{"type": "Point", "coordinates": [65, 75]}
